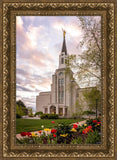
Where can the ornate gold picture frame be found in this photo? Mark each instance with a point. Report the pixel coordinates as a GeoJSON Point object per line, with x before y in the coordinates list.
{"type": "Point", "coordinates": [9, 10]}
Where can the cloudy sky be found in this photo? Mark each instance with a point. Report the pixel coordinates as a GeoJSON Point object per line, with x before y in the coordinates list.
{"type": "Point", "coordinates": [38, 45]}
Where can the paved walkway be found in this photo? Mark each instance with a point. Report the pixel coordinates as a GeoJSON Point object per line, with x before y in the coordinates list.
{"type": "Point", "coordinates": [38, 134]}
{"type": "Point", "coordinates": [26, 117]}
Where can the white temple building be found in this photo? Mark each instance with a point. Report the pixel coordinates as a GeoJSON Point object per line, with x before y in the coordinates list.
{"type": "Point", "coordinates": [65, 94]}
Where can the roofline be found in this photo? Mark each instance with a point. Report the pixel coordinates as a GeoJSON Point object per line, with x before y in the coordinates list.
{"type": "Point", "coordinates": [45, 92]}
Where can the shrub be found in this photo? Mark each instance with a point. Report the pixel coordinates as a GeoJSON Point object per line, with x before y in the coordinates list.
{"type": "Point", "coordinates": [44, 116]}
{"type": "Point", "coordinates": [76, 115]}
{"type": "Point", "coordinates": [88, 112]}
{"type": "Point", "coordinates": [30, 115]}
{"type": "Point", "coordinates": [18, 115]}
{"type": "Point", "coordinates": [38, 113]}
{"type": "Point", "coordinates": [53, 116]}
{"type": "Point", "coordinates": [49, 116]}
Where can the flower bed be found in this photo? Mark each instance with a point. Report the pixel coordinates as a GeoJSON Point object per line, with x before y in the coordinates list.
{"type": "Point", "coordinates": [63, 133]}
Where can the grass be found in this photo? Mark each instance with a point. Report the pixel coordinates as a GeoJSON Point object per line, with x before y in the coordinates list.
{"type": "Point", "coordinates": [28, 125]}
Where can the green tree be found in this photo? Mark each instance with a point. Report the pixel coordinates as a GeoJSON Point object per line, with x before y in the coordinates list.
{"type": "Point", "coordinates": [30, 112]}
{"type": "Point", "coordinates": [87, 65]}
{"type": "Point", "coordinates": [19, 102]}
{"type": "Point", "coordinates": [91, 96]}
{"type": "Point", "coordinates": [21, 108]}
{"type": "Point", "coordinates": [78, 107]}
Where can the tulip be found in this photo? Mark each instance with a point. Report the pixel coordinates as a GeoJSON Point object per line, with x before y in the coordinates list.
{"type": "Point", "coordinates": [42, 126]}
{"type": "Point", "coordinates": [74, 130]}
{"type": "Point", "coordinates": [40, 132]}
{"type": "Point", "coordinates": [47, 129]}
{"type": "Point", "coordinates": [53, 131]}
{"type": "Point", "coordinates": [23, 133]}
{"type": "Point", "coordinates": [53, 122]}
{"type": "Point", "coordinates": [75, 126]}
{"type": "Point", "coordinates": [89, 126]}
{"type": "Point", "coordinates": [54, 135]}
{"type": "Point", "coordinates": [28, 134]}
{"type": "Point", "coordinates": [94, 121]}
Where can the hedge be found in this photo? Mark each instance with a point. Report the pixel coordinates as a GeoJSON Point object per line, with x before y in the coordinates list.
{"type": "Point", "coordinates": [18, 116]}
{"type": "Point", "coordinates": [49, 116]}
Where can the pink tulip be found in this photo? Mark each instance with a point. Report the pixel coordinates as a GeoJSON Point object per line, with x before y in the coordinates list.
{"type": "Point", "coordinates": [53, 122]}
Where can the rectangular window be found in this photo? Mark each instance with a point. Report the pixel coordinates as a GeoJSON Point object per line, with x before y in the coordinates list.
{"type": "Point", "coordinates": [62, 60]}
{"type": "Point", "coordinates": [61, 91]}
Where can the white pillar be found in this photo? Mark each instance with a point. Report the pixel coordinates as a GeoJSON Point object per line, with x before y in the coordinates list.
{"type": "Point", "coordinates": [57, 109]}
{"type": "Point", "coordinates": [63, 111]}
{"type": "Point", "coordinates": [48, 109]}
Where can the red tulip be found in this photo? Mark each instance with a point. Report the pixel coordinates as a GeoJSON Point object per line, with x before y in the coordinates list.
{"type": "Point", "coordinates": [28, 134]}
{"type": "Point", "coordinates": [54, 135]}
{"type": "Point", "coordinates": [40, 131]}
{"type": "Point", "coordinates": [90, 127]}
{"type": "Point", "coordinates": [84, 131]}
{"type": "Point", "coordinates": [98, 122]}
{"type": "Point", "coordinates": [75, 126]}
{"type": "Point", "coordinates": [53, 131]}
{"type": "Point", "coordinates": [94, 121]}
{"type": "Point", "coordinates": [23, 133]}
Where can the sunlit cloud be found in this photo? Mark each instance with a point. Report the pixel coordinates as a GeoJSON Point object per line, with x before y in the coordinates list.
{"type": "Point", "coordinates": [70, 29]}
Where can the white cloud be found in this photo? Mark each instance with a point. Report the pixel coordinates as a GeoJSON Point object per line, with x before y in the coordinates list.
{"type": "Point", "coordinates": [19, 22]}
{"type": "Point", "coordinates": [33, 34]}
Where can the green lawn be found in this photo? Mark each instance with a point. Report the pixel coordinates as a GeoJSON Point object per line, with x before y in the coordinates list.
{"type": "Point", "coordinates": [28, 125]}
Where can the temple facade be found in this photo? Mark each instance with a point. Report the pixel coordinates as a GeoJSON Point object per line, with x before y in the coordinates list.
{"type": "Point", "coordinates": [65, 96]}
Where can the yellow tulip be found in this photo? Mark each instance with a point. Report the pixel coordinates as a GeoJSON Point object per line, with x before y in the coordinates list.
{"type": "Point", "coordinates": [74, 130]}
{"type": "Point", "coordinates": [33, 134]}
{"type": "Point", "coordinates": [64, 135]}
{"type": "Point", "coordinates": [47, 129]}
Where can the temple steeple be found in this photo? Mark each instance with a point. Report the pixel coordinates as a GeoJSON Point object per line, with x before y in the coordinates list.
{"type": "Point", "coordinates": [64, 55]}
{"type": "Point", "coordinates": [64, 49]}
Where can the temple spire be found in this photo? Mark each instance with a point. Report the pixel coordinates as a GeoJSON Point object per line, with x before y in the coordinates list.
{"type": "Point", "coordinates": [64, 32]}
{"type": "Point", "coordinates": [64, 49]}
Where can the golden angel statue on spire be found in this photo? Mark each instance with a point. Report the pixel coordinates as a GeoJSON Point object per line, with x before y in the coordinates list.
{"type": "Point", "coordinates": [64, 32]}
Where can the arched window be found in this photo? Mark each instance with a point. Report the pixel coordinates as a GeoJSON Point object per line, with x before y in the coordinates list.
{"type": "Point", "coordinates": [53, 110]}
{"type": "Point", "coordinates": [61, 74]}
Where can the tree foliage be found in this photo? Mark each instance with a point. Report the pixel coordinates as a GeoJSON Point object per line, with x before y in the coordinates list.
{"type": "Point", "coordinates": [20, 103]}
{"type": "Point", "coordinates": [21, 109]}
{"type": "Point", "coordinates": [91, 96]}
{"type": "Point", "coordinates": [87, 65]}
{"type": "Point", "coordinates": [38, 113]}
{"type": "Point", "coordinates": [30, 112]}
